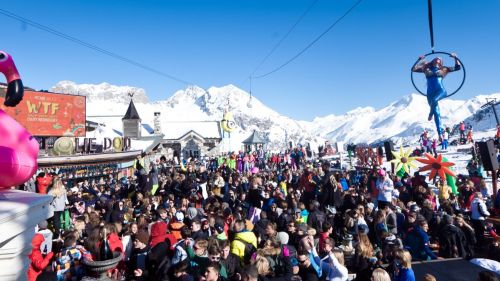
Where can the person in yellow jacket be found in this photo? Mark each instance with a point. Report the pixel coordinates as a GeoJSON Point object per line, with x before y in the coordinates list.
{"type": "Point", "coordinates": [242, 236]}
{"type": "Point", "coordinates": [444, 190]}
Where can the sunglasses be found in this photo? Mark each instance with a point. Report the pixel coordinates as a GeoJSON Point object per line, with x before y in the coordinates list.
{"type": "Point", "coordinates": [215, 258]}
{"type": "Point", "coordinates": [302, 262]}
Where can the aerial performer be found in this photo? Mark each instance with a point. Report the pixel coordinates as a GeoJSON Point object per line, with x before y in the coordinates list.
{"type": "Point", "coordinates": [435, 72]}
{"type": "Point", "coordinates": [18, 148]}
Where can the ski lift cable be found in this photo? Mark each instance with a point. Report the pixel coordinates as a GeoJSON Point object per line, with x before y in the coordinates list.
{"type": "Point", "coordinates": [282, 39]}
{"type": "Point", "coordinates": [312, 43]}
{"type": "Point", "coordinates": [91, 46]}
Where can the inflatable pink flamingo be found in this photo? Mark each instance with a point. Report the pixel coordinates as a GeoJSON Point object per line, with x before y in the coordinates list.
{"type": "Point", "coordinates": [18, 148]}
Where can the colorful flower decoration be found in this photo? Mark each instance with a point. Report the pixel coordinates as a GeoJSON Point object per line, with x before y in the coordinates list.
{"type": "Point", "coordinates": [403, 160]}
{"type": "Point", "coordinates": [436, 165]}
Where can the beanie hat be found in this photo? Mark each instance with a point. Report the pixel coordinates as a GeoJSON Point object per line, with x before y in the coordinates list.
{"type": "Point", "coordinates": [43, 225]}
{"type": "Point", "coordinates": [381, 173]}
{"type": "Point", "coordinates": [192, 212]}
{"type": "Point", "coordinates": [283, 237]}
{"type": "Point", "coordinates": [142, 236]}
{"type": "Point", "coordinates": [219, 227]}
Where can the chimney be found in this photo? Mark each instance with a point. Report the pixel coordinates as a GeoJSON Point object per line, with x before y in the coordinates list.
{"type": "Point", "coordinates": [157, 125]}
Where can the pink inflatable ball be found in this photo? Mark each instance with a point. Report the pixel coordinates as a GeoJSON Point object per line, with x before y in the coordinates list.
{"type": "Point", "coordinates": [255, 170]}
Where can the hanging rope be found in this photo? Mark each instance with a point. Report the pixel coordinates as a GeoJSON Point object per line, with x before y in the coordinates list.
{"type": "Point", "coordinates": [431, 29]}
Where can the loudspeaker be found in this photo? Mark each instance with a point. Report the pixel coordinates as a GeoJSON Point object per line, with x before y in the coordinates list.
{"type": "Point", "coordinates": [488, 154]}
{"type": "Point", "coordinates": [388, 147]}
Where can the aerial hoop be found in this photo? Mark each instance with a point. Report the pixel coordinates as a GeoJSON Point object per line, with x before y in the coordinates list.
{"type": "Point", "coordinates": [435, 53]}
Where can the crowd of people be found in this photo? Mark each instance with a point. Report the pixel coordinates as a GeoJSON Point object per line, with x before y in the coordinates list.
{"type": "Point", "coordinates": [279, 218]}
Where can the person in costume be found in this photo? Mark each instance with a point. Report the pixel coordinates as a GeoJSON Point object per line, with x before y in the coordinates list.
{"type": "Point", "coordinates": [434, 72]}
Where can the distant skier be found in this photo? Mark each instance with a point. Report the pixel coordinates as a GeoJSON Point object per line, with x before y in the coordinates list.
{"type": "Point", "coordinates": [445, 136]}
{"type": "Point", "coordinates": [462, 130]}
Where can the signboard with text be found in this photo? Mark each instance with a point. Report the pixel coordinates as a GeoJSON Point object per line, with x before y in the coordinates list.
{"type": "Point", "coordinates": [49, 114]}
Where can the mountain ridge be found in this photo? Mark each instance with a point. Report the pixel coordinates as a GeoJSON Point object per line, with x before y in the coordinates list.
{"type": "Point", "coordinates": [401, 120]}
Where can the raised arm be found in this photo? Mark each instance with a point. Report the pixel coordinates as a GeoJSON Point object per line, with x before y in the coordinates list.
{"type": "Point", "coordinates": [457, 64]}
{"type": "Point", "coordinates": [420, 66]}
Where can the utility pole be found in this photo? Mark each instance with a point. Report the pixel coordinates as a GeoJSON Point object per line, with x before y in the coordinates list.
{"type": "Point", "coordinates": [492, 102]}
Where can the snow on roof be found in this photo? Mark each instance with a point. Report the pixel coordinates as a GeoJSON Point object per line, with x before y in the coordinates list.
{"type": "Point", "coordinates": [141, 144]}
{"type": "Point", "coordinates": [206, 129]}
{"type": "Point", "coordinates": [171, 129]}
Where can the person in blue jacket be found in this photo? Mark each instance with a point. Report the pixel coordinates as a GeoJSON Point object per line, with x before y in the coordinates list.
{"type": "Point", "coordinates": [402, 265]}
{"type": "Point", "coordinates": [435, 72]}
{"type": "Point", "coordinates": [417, 242]}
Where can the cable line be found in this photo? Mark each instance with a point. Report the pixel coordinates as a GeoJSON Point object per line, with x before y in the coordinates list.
{"type": "Point", "coordinates": [90, 46]}
{"type": "Point", "coordinates": [283, 38]}
{"type": "Point", "coordinates": [310, 44]}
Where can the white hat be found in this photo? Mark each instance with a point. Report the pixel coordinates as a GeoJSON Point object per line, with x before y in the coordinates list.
{"type": "Point", "coordinates": [74, 189]}
{"type": "Point", "coordinates": [179, 216]}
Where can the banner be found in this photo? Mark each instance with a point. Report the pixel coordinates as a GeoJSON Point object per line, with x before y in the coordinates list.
{"type": "Point", "coordinates": [49, 114]}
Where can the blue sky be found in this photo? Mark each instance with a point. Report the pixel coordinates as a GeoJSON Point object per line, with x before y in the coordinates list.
{"type": "Point", "coordinates": [363, 61]}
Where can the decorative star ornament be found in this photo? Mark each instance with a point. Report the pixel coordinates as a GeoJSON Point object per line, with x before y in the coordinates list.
{"type": "Point", "coordinates": [403, 160]}
{"type": "Point", "coordinates": [436, 165]}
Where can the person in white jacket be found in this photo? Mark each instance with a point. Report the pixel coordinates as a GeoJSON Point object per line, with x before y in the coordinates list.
{"type": "Point", "coordinates": [478, 216]}
{"type": "Point", "coordinates": [385, 187]}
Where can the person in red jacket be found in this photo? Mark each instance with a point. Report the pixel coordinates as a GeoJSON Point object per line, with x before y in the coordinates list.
{"type": "Point", "coordinates": [37, 261]}
{"type": "Point", "coordinates": [159, 234]}
{"type": "Point", "coordinates": [43, 180]}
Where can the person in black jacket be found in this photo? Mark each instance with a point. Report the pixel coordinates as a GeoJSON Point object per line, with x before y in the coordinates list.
{"type": "Point", "coordinates": [142, 175]}
{"type": "Point", "coordinates": [117, 212]}
{"type": "Point", "coordinates": [280, 267]}
{"type": "Point", "coordinates": [138, 264]}
{"type": "Point", "coordinates": [316, 217]}
{"type": "Point", "coordinates": [470, 235]}
{"type": "Point", "coordinates": [452, 241]}
{"type": "Point", "coordinates": [229, 260]}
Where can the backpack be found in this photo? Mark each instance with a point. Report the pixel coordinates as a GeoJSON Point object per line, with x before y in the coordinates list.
{"type": "Point", "coordinates": [273, 263]}
{"type": "Point", "coordinates": [180, 253]}
{"type": "Point", "coordinates": [248, 252]}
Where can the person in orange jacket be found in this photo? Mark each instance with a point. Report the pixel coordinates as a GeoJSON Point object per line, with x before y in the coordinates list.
{"type": "Point", "coordinates": [176, 225]}
{"type": "Point", "coordinates": [43, 180]}
{"type": "Point", "coordinates": [469, 136]}
{"type": "Point", "coordinates": [37, 261]}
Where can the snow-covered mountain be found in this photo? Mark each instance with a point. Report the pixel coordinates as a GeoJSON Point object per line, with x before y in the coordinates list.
{"type": "Point", "coordinates": [402, 120]}
{"type": "Point", "coordinates": [103, 91]}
